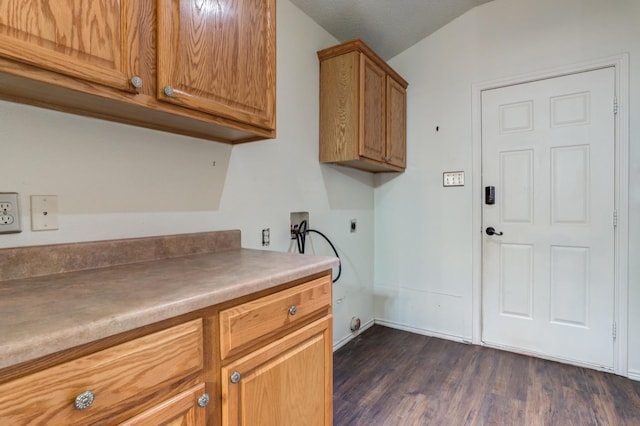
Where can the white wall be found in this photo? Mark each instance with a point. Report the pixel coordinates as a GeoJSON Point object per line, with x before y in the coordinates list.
{"type": "Point", "coordinates": [423, 271]}
{"type": "Point", "coordinates": [117, 181]}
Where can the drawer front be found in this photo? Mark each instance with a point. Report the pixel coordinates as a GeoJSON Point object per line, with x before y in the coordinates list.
{"type": "Point", "coordinates": [241, 325]}
{"type": "Point", "coordinates": [118, 377]}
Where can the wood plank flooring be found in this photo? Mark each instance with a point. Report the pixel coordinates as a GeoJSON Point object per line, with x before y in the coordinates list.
{"type": "Point", "coordinates": [391, 377]}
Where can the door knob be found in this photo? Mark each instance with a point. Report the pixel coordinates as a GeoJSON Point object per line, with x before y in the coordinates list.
{"type": "Point", "coordinates": [491, 231]}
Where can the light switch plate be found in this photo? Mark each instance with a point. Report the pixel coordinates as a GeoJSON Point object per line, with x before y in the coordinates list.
{"type": "Point", "coordinates": [44, 212]}
{"type": "Point", "coordinates": [453, 179]}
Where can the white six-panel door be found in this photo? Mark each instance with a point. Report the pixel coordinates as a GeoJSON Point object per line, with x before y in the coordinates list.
{"type": "Point", "coordinates": [548, 280]}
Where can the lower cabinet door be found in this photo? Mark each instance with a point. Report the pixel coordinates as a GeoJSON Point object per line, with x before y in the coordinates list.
{"type": "Point", "coordinates": [288, 382]}
{"type": "Point", "coordinates": [182, 410]}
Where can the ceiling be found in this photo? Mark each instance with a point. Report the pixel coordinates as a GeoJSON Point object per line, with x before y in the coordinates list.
{"type": "Point", "coordinates": [387, 26]}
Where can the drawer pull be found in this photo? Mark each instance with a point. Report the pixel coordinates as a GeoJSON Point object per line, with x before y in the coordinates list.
{"type": "Point", "coordinates": [136, 82]}
{"type": "Point", "coordinates": [293, 310]}
{"type": "Point", "coordinates": [235, 377]}
{"type": "Point", "coordinates": [168, 90]}
{"type": "Point", "coordinates": [84, 400]}
{"type": "Point", "coordinates": [203, 400]}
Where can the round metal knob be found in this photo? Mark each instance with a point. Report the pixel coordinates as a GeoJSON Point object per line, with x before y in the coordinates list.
{"type": "Point", "coordinates": [168, 90]}
{"type": "Point", "coordinates": [203, 400]}
{"type": "Point", "coordinates": [136, 81]}
{"type": "Point", "coordinates": [293, 310]}
{"type": "Point", "coordinates": [84, 400]}
{"type": "Point", "coordinates": [235, 377]}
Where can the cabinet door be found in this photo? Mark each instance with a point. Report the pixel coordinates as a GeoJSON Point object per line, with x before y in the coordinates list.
{"type": "Point", "coordinates": [181, 410]}
{"type": "Point", "coordinates": [372, 110]}
{"type": "Point", "coordinates": [396, 123]}
{"type": "Point", "coordinates": [288, 382]}
{"type": "Point", "coordinates": [86, 39]}
{"type": "Point", "coordinates": [219, 57]}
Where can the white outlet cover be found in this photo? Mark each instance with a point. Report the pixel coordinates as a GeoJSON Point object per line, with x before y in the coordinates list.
{"type": "Point", "coordinates": [9, 213]}
{"type": "Point", "coordinates": [44, 212]}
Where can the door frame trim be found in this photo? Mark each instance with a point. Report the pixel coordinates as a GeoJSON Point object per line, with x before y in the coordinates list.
{"type": "Point", "coordinates": [621, 280]}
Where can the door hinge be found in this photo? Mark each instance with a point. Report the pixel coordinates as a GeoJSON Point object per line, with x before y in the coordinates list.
{"type": "Point", "coordinates": [614, 331]}
{"type": "Point", "coordinates": [615, 218]}
{"type": "Point", "coordinates": [615, 106]}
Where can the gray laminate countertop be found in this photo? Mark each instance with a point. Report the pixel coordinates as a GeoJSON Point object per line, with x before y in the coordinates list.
{"type": "Point", "coordinates": [46, 314]}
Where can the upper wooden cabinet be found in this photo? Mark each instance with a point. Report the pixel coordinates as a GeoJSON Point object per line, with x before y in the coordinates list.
{"type": "Point", "coordinates": [362, 109]}
{"type": "Point", "coordinates": [219, 57]}
{"type": "Point", "coordinates": [200, 68]}
{"type": "Point", "coordinates": [83, 39]}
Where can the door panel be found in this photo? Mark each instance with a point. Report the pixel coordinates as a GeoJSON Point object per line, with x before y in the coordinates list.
{"type": "Point", "coordinates": [396, 123]}
{"type": "Point", "coordinates": [275, 384]}
{"type": "Point", "coordinates": [548, 281]}
{"type": "Point", "coordinates": [86, 39]}
{"type": "Point", "coordinates": [219, 57]}
{"type": "Point", "coordinates": [372, 142]}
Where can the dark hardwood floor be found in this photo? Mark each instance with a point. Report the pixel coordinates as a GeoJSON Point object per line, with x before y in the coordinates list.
{"type": "Point", "coordinates": [391, 377]}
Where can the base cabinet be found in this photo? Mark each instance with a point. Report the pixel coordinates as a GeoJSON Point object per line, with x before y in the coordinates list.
{"type": "Point", "coordinates": [277, 385]}
{"type": "Point", "coordinates": [260, 360]}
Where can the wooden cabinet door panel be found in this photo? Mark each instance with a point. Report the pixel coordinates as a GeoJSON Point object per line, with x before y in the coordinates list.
{"type": "Point", "coordinates": [396, 123]}
{"type": "Point", "coordinates": [181, 410]}
{"type": "Point", "coordinates": [219, 57]}
{"type": "Point", "coordinates": [86, 39]}
{"type": "Point", "coordinates": [286, 383]}
{"type": "Point", "coordinates": [339, 99]}
{"type": "Point", "coordinates": [372, 110]}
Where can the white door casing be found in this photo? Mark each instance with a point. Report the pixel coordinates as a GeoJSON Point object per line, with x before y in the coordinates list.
{"type": "Point", "coordinates": [548, 282]}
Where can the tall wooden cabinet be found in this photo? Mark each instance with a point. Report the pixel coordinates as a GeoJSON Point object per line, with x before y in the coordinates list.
{"type": "Point", "coordinates": [201, 68]}
{"type": "Point", "coordinates": [362, 109]}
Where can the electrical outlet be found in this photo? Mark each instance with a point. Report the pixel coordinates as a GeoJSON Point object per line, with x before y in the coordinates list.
{"type": "Point", "coordinates": [266, 237]}
{"type": "Point", "coordinates": [9, 213]}
{"type": "Point", "coordinates": [44, 212]}
{"type": "Point", "coordinates": [296, 219]}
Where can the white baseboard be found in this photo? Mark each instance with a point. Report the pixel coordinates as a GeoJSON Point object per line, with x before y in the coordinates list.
{"type": "Point", "coordinates": [421, 331]}
{"type": "Point", "coordinates": [634, 375]}
{"type": "Point", "coordinates": [346, 339]}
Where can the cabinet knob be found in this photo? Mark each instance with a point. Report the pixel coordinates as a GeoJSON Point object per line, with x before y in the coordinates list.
{"type": "Point", "coordinates": [203, 401]}
{"type": "Point", "coordinates": [168, 90]}
{"type": "Point", "coordinates": [235, 377]}
{"type": "Point", "coordinates": [84, 400]}
{"type": "Point", "coordinates": [293, 310]}
{"type": "Point", "coordinates": [136, 82]}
